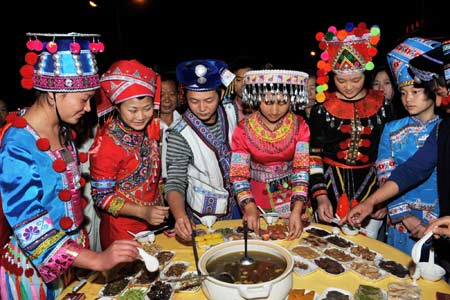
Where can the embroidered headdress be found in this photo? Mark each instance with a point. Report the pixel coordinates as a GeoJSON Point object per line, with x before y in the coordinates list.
{"type": "Point", "coordinates": [345, 51]}
{"type": "Point", "coordinates": [291, 85]}
{"type": "Point", "coordinates": [61, 62]}
{"type": "Point", "coordinates": [401, 55]}
{"type": "Point", "coordinates": [432, 64]}
{"type": "Point", "coordinates": [125, 80]}
{"type": "Point", "coordinates": [203, 74]}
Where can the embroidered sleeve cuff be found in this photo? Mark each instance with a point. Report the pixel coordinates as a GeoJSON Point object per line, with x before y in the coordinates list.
{"type": "Point", "coordinates": [116, 205]}
{"type": "Point", "coordinates": [243, 203]}
{"type": "Point", "coordinates": [60, 261]}
{"type": "Point", "coordinates": [319, 192]}
{"type": "Point", "coordinates": [295, 198]}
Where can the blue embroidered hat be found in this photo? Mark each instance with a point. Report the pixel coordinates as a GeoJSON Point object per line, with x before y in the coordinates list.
{"type": "Point", "coordinates": [432, 64]}
{"type": "Point", "coordinates": [203, 74]}
{"type": "Point", "coordinates": [61, 62]}
{"type": "Point", "coordinates": [401, 55]}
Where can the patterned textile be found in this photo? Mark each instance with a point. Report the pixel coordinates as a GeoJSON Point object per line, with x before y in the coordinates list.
{"type": "Point", "coordinates": [46, 219]}
{"type": "Point", "coordinates": [399, 141]}
{"type": "Point", "coordinates": [125, 167]}
{"type": "Point", "coordinates": [271, 166]}
{"type": "Point", "coordinates": [344, 146]}
{"type": "Point", "coordinates": [221, 148]}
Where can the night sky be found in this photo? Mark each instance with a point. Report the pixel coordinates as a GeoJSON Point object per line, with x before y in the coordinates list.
{"type": "Point", "coordinates": [275, 31]}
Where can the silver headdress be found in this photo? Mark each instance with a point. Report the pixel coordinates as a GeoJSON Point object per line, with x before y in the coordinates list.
{"type": "Point", "coordinates": [285, 84]}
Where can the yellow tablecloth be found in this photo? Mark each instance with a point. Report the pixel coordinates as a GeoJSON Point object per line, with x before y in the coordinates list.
{"type": "Point", "coordinates": [317, 281]}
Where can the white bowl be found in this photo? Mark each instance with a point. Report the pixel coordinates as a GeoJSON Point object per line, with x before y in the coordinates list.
{"type": "Point", "coordinates": [271, 217]}
{"type": "Point", "coordinates": [347, 231]}
{"type": "Point", "coordinates": [146, 236]}
{"type": "Point", "coordinates": [431, 272]}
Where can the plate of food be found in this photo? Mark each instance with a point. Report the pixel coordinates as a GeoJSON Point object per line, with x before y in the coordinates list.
{"type": "Point", "coordinates": [365, 253]}
{"type": "Point", "coordinates": [396, 269]}
{"type": "Point", "coordinates": [317, 231]}
{"type": "Point", "coordinates": [174, 270]}
{"type": "Point", "coordinates": [305, 251]}
{"type": "Point", "coordinates": [368, 271]}
{"type": "Point", "coordinates": [331, 266]}
{"type": "Point", "coordinates": [335, 293]}
{"type": "Point", "coordinates": [301, 294]}
{"type": "Point", "coordinates": [303, 266]}
{"type": "Point", "coordinates": [339, 254]}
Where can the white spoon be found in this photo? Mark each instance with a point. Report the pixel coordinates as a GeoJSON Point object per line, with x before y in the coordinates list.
{"type": "Point", "coordinates": [417, 248]}
{"type": "Point", "coordinates": [151, 262]}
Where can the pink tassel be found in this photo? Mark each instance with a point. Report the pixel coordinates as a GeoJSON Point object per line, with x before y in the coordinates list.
{"type": "Point", "coordinates": [3, 283]}
{"type": "Point", "coordinates": [33, 289]}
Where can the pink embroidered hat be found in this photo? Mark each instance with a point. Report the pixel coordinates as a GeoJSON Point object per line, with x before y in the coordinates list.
{"type": "Point", "coordinates": [61, 62]}
{"type": "Point", "coordinates": [125, 80]}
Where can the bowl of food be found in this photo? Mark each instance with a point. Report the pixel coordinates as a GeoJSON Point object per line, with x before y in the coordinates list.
{"type": "Point", "coordinates": [271, 217]}
{"type": "Point", "coordinates": [145, 236]}
{"type": "Point", "coordinates": [270, 277]}
{"type": "Point", "coordinates": [430, 271]}
{"type": "Point", "coordinates": [349, 230]}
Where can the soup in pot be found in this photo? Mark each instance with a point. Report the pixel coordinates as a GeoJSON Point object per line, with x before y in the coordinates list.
{"type": "Point", "coordinates": [266, 267]}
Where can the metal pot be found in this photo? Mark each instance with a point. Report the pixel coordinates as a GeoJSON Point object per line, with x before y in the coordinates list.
{"type": "Point", "coordinates": [276, 289]}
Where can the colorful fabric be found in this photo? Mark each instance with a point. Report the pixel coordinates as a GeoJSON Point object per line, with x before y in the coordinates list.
{"type": "Point", "coordinates": [343, 146]}
{"type": "Point", "coordinates": [46, 220]}
{"type": "Point", "coordinates": [400, 56]}
{"type": "Point", "coordinates": [399, 141]}
{"type": "Point", "coordinates": [64, 63]}
{"type": "Point", "coordinates": [125, 167]}
{"type": "Point", "coordinates": [433, 63]}
{"type": "Point", "coordinates": [275, 173]}
{"type": "Point", "coordinates": [125, 80]}
{"type": "Point", "coordinates": [345, 51]}
{"type": "Point", "coordinates": [220, 146]}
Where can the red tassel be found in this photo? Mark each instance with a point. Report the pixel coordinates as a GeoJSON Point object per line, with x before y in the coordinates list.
{"type": "Point", "coordinates": [42, 294]}
{"type": "Point", "coordinates": [154, 130]}
{"type": "Point", "coordinates": [343, 206]}
{"type": "Point", "coordinates": [19, 294]}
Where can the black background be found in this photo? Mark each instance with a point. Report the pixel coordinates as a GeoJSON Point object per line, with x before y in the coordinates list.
{"type": "Point", "coordinates": [162, 33]}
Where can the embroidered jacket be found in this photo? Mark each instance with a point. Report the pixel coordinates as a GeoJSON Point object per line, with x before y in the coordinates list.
{"type": "Point", "coordinates": [125, 167]}
{"type": "Point", "coordinates": [271, 167]}
{"type": "Point", "coordinates": [40, 192]}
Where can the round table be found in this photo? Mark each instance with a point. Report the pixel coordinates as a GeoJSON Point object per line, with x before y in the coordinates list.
{"type": "Point", "coordinates": [317, 281]}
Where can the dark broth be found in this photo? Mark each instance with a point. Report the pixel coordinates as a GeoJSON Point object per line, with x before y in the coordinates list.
{"type": "Point", "coordinates": [266, 267]}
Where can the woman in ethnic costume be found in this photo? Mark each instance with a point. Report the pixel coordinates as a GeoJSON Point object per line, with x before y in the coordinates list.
{"type": "Point", "coordinates": [40, 175]}
{"type": "Point", "coordinates": [400, 140]}
{"type": "Point", "coordinates": [124, 158]}
{"type": "Point", "coordinates": [345, 124]}
{"type": "Point", "coordinates": [270, 160]}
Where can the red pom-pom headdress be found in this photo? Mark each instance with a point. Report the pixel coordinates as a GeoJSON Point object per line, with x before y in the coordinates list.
{"type": "Point", "coordinates": [345, 51]}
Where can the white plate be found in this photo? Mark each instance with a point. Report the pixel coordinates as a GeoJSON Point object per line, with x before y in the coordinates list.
{"type": "Point", "coordinates": [345, 266]}
{"type": "Point", "coordinates": [385, 295]}
{"type": "Point", "coordinates": [377, 263]}
{"type": "Point", "coordinates": [312, 267]}
{"type": "Point", "coordinates": [307, 247]}
{"type": "Point", "coordinates": [100, 293]}
{"type": "Point", "coordinates": [353, 257]}
{"type": "Point", "coordinates": [315, 227]}
{"type": "Point", "coordinates": [382, 272]}
{"type": "Point", "coordinates": [179, 285]}
{"type": "Point", "coordinates": [163, 275]}
{"type": "Point", "coordinates": [378, 256]}
{"type": "Point", "coordinates": [352, 244]}
{"type": "Point", "coordinates": [325, 292]}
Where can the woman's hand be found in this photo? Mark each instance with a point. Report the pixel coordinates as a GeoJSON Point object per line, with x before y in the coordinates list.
{"type": "Point", "coordinates": [251, 214]}
{"type": "Point", "coordinates": [156, 214]}
{"type": "Point", "coordinates": [184, 227]}
{"type": "Point", "coordinates": [295, 222]}
{"type": "Point", "coordinates": [324, 208]}
{"type": "Point", "coordinates": [119, 251]}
